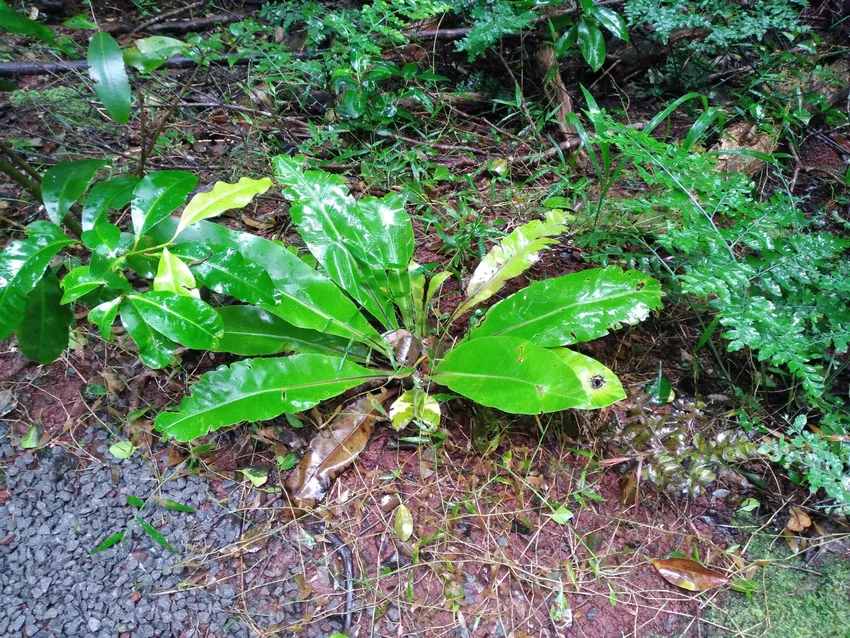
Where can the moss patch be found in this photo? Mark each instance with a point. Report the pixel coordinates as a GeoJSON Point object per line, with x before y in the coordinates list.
{"type": "Point", "coordinates": [63, 104]}
{"type": "Point", "coordinates": [790, 603]}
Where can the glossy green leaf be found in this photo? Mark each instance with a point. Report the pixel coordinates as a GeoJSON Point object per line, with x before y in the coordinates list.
{"type": "Point", "coordinates": [186, 320]}
{"type": "Point", "coordinates": [306, 298]}
{"type": "Point", "coordinates": [173, 275]}
{"type": "Point", "coordinates": [78, 283]}
{"type": "Point", "coordinates": [225, 271]}
{"type": "Point", "coordinates": [388, 238]}
{"type": "Point", "coordinates": [600, 384]}
{"type": "Point", "coordinates": [22, 263]}
{"type": "Point", "coordinates": [328, 220]}
{"type": "Point", "coordinates": [112, 194]}
{"type": "Point", "coordinates": [573, 308]}
{"type": "Point", "coordinates": [80, 21]}
{"type": "Point", "coordinates": [157, 196]}
{"type": "Point", "coordinates": [109, 542]}
{"type": "Point", "coordinates": [612, 21]}
{"type": "Point", "coordinates": [510, 374]}
{"type": "Point", "coordinates": [251, 331]}
{"type": "Point", "coordinates": [103, 316]}
{"type": "Point", "coordinates": [106, 68]}
{"type": "Point", "coordinates": [511, 257]}
{"type": "Point", "coordinates": [43, 333]}
{"type": "Point", "coordinates": [221, 198]}
{"type": "Point", "coordinates": [155, 350]}
{"type": "Point", "coordinates": [258, 476]}
{"type": "Point", "coordinates": [134, 58]}
{"type": "Point", "coordinates": [155, 534]}
{"type": "Point", "coordinates": [14, 22]}
{"type": "Point", "coordinates": [105, 237]}
{"type": "Point", "coordinates": [591, 43]}
{"type": "Point", "coordinates": [64, 183]}
{"type": "Point", "coordinates": [160, 46]}
{"type": "Point", "coordinates": [135, 501]}
{"type": "Point", "coordinates": [260, 389]}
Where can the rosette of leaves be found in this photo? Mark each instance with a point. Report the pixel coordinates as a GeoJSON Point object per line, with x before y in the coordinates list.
{"type": "Point", "coordinates": [676, 455]}
{"type": "Point", "coordinates": [357, 312]}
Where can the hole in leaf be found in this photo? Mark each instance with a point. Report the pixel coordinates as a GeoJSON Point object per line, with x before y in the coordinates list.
{"type": "Point", "coordinates": [596, 381]}
{"type": "Point", "coordinates": [639, 286]}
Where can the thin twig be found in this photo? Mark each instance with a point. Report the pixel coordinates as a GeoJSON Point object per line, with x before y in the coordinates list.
{"type": "Point", "coordinates": [166, 15]}
{"type": "Point", "coordinates": [147, 147]}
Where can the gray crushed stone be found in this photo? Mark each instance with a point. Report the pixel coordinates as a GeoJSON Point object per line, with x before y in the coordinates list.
{"type": "Point", "coordinates": [59, 511]}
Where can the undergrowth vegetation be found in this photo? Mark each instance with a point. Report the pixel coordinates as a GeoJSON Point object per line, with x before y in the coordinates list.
{"type": "Point", "coordinates": [445, 212]}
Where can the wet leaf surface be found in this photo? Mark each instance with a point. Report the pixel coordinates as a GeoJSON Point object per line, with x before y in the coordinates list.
{"type": "Point", "coordinates": [331, 451]}
{"type": "Point", "coordinates": [689, 574]}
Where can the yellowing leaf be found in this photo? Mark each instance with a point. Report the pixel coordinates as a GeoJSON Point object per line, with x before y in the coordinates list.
{"type": "Point", "coordinates": [122, 449]}
{"type": "Point", "coordinates": [403, 523]}
{"type": "Point", "coordinates": [257, 475]}
{"type": "Point", "coordinates": [173, 275]}
{"type": "Point", "coordinates": [689, 574]}
{"type": "Point", "coordinates": [799, 520]}
{"type": "Point", "coordinates": [222, 197]}
{"type": "Point", "coordinates": [511, 257]}
{"type": "Point", "coordinates": [415, 404]}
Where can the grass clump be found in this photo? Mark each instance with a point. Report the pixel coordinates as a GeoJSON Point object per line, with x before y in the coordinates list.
{"type": "Point", "coordinates": [789, 603]}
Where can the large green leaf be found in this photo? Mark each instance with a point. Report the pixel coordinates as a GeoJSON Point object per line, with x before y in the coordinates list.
{"type": "Point", "coordinates": [160, 46]}
{"type": "Point", "coordinates": [306, 298]}
{"type": "Point", "coordinates": [511, 257]}
{"type": "Point", "coordinates": [157, 196]}
{"type": "Point", "coordinates": [600, 384]}
{"type": "Point", "coordinates": [22, 263]}
{"type": "Point", "coordinates": [14, 22]}
{"type": "Point", "coordinates": [225, 271]}
{"type": "Point", "coordinates": [510, 374]}
{"type": "Point", "coordinates": [260, 389]}
{"type": "Point", "coordinates": [113, 194]}
{"type": "Point", "coordinates": [106, 68]}
{"type": "Point", "coordinates": [103, 316]}
{"type": "Point", "coordinates": [251, 331]}
{"type": "Point", "coordinates": [388, 240]}
{"type": "Point", "coordinates": [329, 221]}
{"type": "Point", "coordinates": [573, 308]}
{"type": "Point", "coordinates": [155, 350]}
{"type": "Point", "coordinates": [78, 283]}
{"type": "Point", "coordinates": [186, 320]}
{"type": "Point", "coordinates": [591, 43]}
{"type": "Point", "coordinates": [222, 197]}
{"type": "Point", "coordinates": [173, 275]}
{"type": "Point", "coordinates": [64, 183]}
{"type": "Point", "coordinates": [43, 333]}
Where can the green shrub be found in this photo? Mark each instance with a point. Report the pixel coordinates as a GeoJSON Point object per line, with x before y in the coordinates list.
{"type": "Point", "coordinates": [779, 286]}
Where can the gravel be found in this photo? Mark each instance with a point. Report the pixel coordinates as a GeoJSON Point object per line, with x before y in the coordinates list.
{"type": "Point", "coordinates": [62, 507]}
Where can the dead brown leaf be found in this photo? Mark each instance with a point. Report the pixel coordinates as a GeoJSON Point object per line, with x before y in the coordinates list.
{"type": "Point", "coordinates": [689, 574]}
{"type": "Point", "coordinates": [331, 451]}
{"type": "Point", "coordinates": [799, 520]}
{"type": "Point", "coordinates": [747, 137]}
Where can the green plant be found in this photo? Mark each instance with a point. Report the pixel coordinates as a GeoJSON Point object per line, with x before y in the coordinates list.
{"type": "Point", "coordinates": [778, 284]}
{"type": "Point", "coordinates": [515, 360]}
{"type": "Point", "coordinates": [673, 450]}
{"type": "Point", "coordinates": [696, 32]}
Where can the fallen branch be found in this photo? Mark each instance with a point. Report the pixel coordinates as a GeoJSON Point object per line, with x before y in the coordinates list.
{"type": "Point", "coordinates": [15, 69]}
{"type": "Point", "coordinates": [177, 26]}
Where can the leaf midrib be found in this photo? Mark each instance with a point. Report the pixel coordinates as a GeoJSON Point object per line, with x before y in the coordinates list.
{"type": "Point", "coordinates": [559, 309]}
{"type": "Point", "coordinates": [278, 389]}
